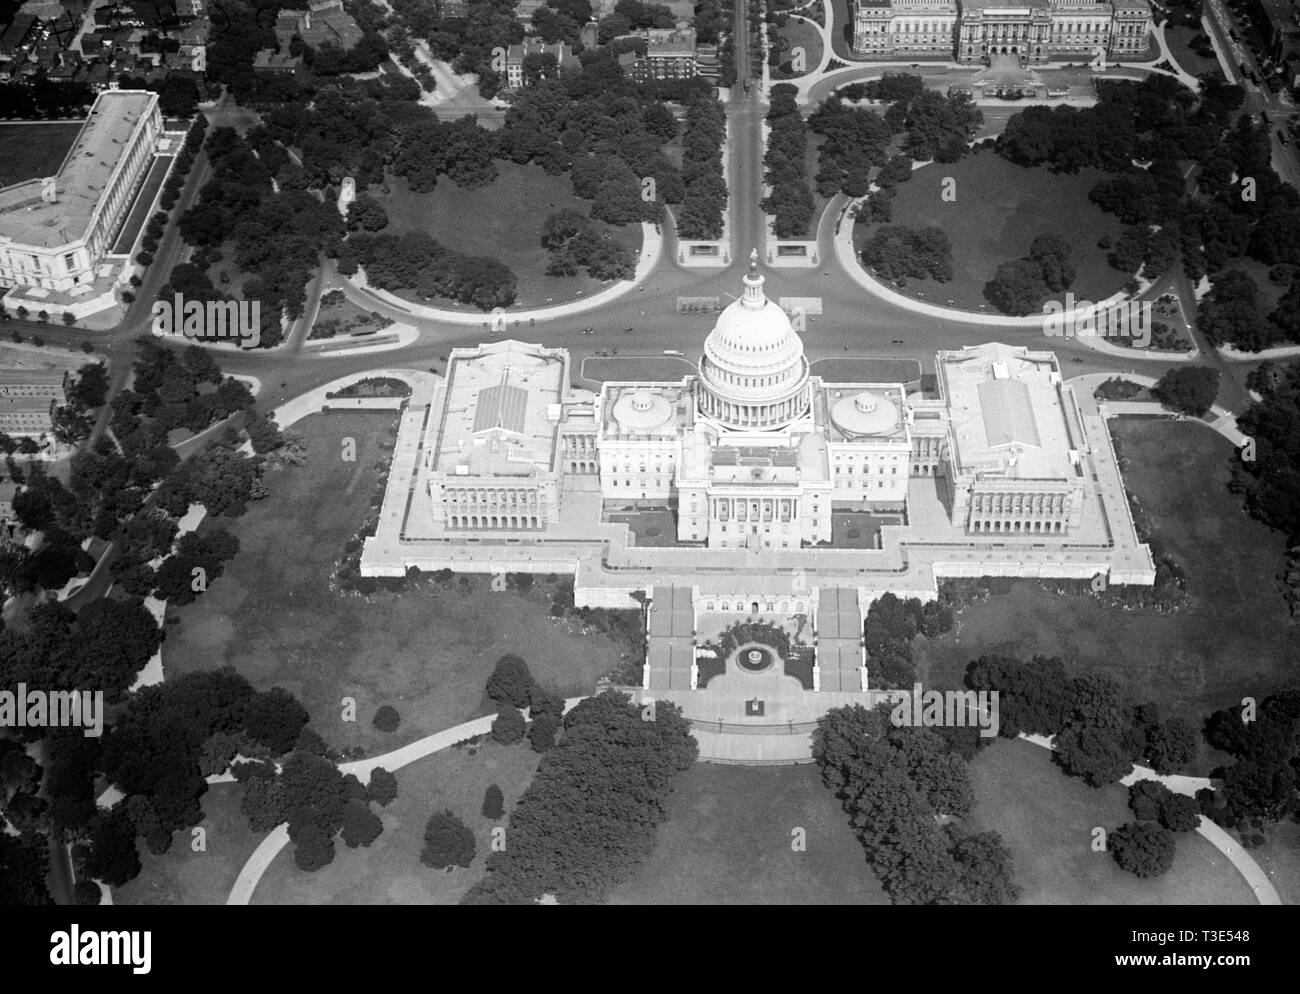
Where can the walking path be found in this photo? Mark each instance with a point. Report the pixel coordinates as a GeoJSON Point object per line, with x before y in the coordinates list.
{"type": "Point", "coordinates": [1265, 892]}
{"type": "Point", "coordinates": [1225, 422]}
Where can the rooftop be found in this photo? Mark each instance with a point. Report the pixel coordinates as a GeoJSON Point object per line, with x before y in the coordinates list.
{"type": "Point", "coordinates": [1008, 412]}
{"type": "Point", "coordinates": [28, 219]}
{"type": "Point", "coordinates": [500, 410]}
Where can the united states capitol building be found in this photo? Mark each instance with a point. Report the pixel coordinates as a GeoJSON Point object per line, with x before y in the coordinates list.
{"type": "Point", "coordinates": [971, 30]}
{"type": "Point", "coordinates": [752, 470]}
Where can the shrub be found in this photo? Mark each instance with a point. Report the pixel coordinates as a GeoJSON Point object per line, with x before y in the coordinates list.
{"type": "Point", "coordinates": [382, 788]}
{"type": "Point", "coordinates": [541, 732]}
{"type": "Point", "coordinates": [1143, 848]}
{"type": "Point", "coordinates": [509, 726]}
{"type": "Point", "coordinates": [87, 893]}
{"type": "Point", "coordinates": [447, 842]}
{"type": "Point", "coordinates": [494, 803]}
{"type": "Point", "coordinates": [387, 719]}
{"type": "Point", "coordinates": [510, 682]}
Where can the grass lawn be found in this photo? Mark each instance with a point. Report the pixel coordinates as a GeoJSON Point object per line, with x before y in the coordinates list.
{"type": "Point", "coordinates": [854, 370]}
{"type": "Point", "coordinates": [1234, 636]}
{"type": "Point", "coordinates": [1178, 37]}
{"type": "Point", "coordinates": [339, 316]}
{"type": "Point", "coordinates": [141, 209]}
{"type": "Point", "coordinates": [504, 221]}
{"type": "Point", "coordinates": [390, 871]}
{"type": "Point", "coordinates": [276, 616]}
{"type": "Point", "coordinates": [1000, 208]}
{"type": "Point", "coordinates": [182, 876]}
{"type": "Point", "coordinates": [800, 35]}
{"type": "Point", "coordinates": [728, 841]}
{"type": "Point", "coordinates": [1280, 859]}
{"type": "Point", "coordinates": [656, 529]}
{"type": "Point", "coordinates": [30, 151]}
{"type": "Point", "coordinates": [1046, 820]}
{"type": "Point", "coordinates": [653, 369]}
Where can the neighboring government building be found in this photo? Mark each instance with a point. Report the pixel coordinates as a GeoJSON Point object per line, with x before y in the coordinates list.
{"type": "Point", "coordinates": [972, 30]}
{"type": "Point", "coordinates": [56, 233]}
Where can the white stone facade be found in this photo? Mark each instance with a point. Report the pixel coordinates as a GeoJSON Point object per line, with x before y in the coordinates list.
{"type": "Point", "coordinates": [1037, 31]}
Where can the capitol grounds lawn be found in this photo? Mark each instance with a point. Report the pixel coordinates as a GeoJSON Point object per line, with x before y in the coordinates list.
{"type": "Point", "coordinates": [1046, 820]}
{"type": "Point", "coordinates": [182, 876]}
{"type": "Point", "coordinates": [277, 617]}
{"type": "Point", "coordinates": [728, 841]}
{"type": "Point", "coordinates": [799, 34]}
{"type": "Point", "coordinates": [1179, 38]}
{"type": "Point", "coordinates": [502, 220]}
{"type": "Point", "coordinates": [1279, 857]}
{"type": "Point", "coordinates": [29, 151]}
{"type": "Point", "coordinates": [1232, 639]}
{"type": "Point", "coordinates": [643, 369]}
{"type": "Point", "coordinates": [390, 871]}
{"type": "Point", "coordinates": [1000, 208]}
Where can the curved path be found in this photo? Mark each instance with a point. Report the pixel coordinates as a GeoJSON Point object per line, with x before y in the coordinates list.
{"type": "Point", "coordinates": [1225, 422]}
{"type": "Point", "coordinates": [1242, 861]}
{"type": "Point", "coordinates": [278, 838]}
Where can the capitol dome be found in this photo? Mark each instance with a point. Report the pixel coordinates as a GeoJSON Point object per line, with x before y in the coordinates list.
{"type": "Point", "coordinates": [753, 374]}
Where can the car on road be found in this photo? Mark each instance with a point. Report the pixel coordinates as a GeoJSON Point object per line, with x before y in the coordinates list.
{"type": "Point", "coordinates": [588, 331]}
{"type": "Point", "coordinates": [1281, 136]}
{"type": "Point", "coordinates": [674, 352]}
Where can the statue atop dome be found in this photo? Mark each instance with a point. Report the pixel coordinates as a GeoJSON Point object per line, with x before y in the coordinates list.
{"type": "Point", "coordinates": [754, 296]}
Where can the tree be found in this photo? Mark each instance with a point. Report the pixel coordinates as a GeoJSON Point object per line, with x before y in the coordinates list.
{"type": "Point", "coordinates": [1143, 848]}
{"type": "Point", "coordinates": [263, 803]}
{"type": "Point", "coordinates": [275, 718]}
{"type": "Point", "coordinates": [113, 856]}
{"type": "Point", "coordinates": [984, 871]}
{"type": "Point", "coordinates": [509, 726]}
{"type": "Point", "coordinates": [611, 769]}
{"type": "Point", "coordinates": [361, 826]}
{"type": "Point", "coordinates": [1188, 389]}
{"type": "Point", "coordinates": [541, 731]}
{"type": "Point", "coordinates": [510, 682]}
{"type": "Point", "coordinates": [494, 803]}
{"type": "Point", "coordinates": [387, 719]}
{"type": "Point", "coordinates": [366, 213]}
{"type": "Point", "coordinates": [1180, 813]}
{"type": "Point", "coordinates": [382, 788]}
{"type": "Point", "coordinates": [1096, 753]}
{"type": "Point", "coordinates": [1146, 799]}
{"type": "Point", "coordinates": [448, 842]}
{"type": "Point", "coordinates": [1052, 253]}
{"type": "Point", "coordinates": [1017, 288]}
{"type": "Point", "coordinates": [87, 893]}
{"type": "Point", "coordinates": [24, 863]}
